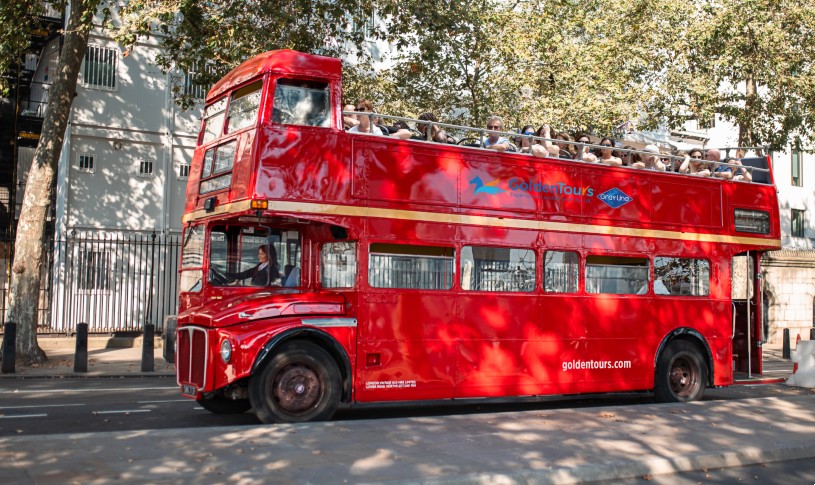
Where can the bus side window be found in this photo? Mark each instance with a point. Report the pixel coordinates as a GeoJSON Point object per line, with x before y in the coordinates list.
{"type": "Point", "coordinates": [617, 275]}
{"type": "Point", "coordinates": [338, 265]}
{"type": "Point", "coordinates": [560, 271]}
{"type": "Point", "coordinates": [298, 102]}
{"type": "Point", "coordinates": [682, 276]}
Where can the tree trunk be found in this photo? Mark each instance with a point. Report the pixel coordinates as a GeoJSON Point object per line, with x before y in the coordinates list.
{"type": "Point", "coordinates": [746, 138]}
{"type": "Point", "coordinates": [29, 244]}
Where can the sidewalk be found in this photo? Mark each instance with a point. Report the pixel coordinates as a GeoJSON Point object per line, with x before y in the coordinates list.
{"type": "Point", "coordinates": [107, 356]}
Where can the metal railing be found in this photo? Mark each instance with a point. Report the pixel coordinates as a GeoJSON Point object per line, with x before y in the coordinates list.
{"type": "Point", "coordinates": [113, 283]}
{"type": "Point", "coordinates": [479, 135]}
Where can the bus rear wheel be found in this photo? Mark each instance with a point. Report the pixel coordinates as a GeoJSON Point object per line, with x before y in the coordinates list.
{"type": "Point", "coordinates": [681, 373]}
{"type": "Point", "coordinates": [300, 383]}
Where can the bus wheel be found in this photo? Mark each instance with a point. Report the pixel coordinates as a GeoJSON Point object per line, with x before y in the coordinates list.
{"type": "Point", "coordinates": [681, 373]}
{"type": "Point", "coordinates": [300, 383]}
{"type": "Point", "coordinates": [222, 405]}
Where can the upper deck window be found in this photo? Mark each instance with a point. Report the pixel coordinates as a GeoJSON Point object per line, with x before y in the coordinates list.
{"type": "Point", "coordinates": [214, 120]}
{"type": "Point", "coordinates": [243, 109]}
{"type": "Point", "coordinates": [298, 102]}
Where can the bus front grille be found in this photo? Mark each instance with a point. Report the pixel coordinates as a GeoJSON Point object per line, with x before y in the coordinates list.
{"type": "Point", "coordinates": [191, 357]}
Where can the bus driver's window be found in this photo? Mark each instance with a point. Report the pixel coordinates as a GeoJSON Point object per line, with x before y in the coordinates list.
{"type": "Point", "coordinates": [298, 102]}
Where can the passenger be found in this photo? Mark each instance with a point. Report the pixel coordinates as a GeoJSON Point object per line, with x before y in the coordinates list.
{"type": "Point", "coordinates": [720, 171]}
{"type": "Point", "coordinates": [266, 272]}
{"type": "Point", "coordinates": [628, 157]}
{"type": "Point", "coordinates": [365, 125]}
{"type": "Point", "coordinates": [566, 150]}
{"type": "Point", "coordinates": [738, 173]}
{"type": "Point", "coordinates": [546, 148]}
{"type": "Point", "coordinates": [436, 133]}
{"type": "Point", "coordinates": [607, 155]}
{"type": "Point", "coordinates": [586, 155]}
{"type": "Point", "coordinates": [495, 141]}
{"type": "Point", "coordinates": [524, 143]}
{"type": "Point", "coordinates": [650, 162]}
{"type": "Point", "coordinates": [349, 121]}
{"type": "Point", "coordinates": [693, 164]}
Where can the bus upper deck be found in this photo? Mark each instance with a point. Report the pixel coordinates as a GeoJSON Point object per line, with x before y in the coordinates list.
{"type": "Point", "coordinates": [273, 137]}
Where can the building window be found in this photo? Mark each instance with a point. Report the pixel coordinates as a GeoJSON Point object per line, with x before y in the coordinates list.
{"type": "Point", "coordinates": [99, 68]}
{"type": "Point", "coordinates": [192, 86]}
{"type": "Point", "coordinates": [798, 219]}
{"type": "Point", "coordinates": [145, 168]}
{"type": "Point", "coordinates": [797, 176]}
{"type": "Point", "coordinates": [184, 171]}
{"type": "Point", "coordinates": [85, 162]}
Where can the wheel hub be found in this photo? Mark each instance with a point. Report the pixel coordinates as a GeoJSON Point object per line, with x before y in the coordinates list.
{"type": "Point", "coordinates": [296, 388]}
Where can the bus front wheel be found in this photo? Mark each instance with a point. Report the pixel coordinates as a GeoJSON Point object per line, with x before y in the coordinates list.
{"type": "Point", "coordinates": [300, 383]}
{"type": "Point", "coordinates": [681, 373]}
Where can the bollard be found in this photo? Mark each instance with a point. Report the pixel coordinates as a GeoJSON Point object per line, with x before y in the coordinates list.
{"type": "Point", "coordinates": [81, 354]}
{"type": "Point", "coordinates": [812, 333]}
{"type": "Point", "coordinates": [785, 350]}
{"type": "Point", "coordinates": [147, 348]}
{"type": "Point", "coordinates": [9, 347]}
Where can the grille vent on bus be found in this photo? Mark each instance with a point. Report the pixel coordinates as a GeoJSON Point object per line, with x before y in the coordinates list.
{"type": "Point", "coordinates": [191, 357]}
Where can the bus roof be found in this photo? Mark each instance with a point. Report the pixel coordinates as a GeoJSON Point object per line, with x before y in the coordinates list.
{"type": "Point", "coordinates": [283, 61]}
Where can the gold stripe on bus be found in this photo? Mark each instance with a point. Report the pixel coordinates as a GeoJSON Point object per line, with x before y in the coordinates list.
{"type": "Point", "coordinates": [491, 221]}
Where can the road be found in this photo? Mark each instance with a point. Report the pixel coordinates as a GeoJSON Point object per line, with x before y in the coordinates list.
{"type": "Point", "coordinates": [51, 406]}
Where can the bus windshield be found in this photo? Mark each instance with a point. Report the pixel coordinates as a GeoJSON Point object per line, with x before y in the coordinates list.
{"type": "Point", "coordinates": [254, 256]}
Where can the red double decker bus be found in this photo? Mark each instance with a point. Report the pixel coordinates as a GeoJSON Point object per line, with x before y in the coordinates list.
{"type": "Point", "coordinates": [323, 268]}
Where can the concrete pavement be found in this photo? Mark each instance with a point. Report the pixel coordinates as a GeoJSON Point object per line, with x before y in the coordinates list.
{"type": "Point", "coordinates": [551, 446]}
{"type": "Point", "coordinates": [546, 446]}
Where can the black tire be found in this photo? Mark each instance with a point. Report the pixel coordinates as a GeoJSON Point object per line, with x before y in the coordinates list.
{"type": "Point", "coordinates": [222, 405]}
{"type": "Point", "coordinates": [300, 383]}
{"type": "Point", "coordinates": [681, 374]}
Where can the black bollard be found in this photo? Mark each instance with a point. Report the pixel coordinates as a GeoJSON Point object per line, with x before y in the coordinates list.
{"type": "Point", "coordinates": [81, 354]}
{"type": "Point", "coordinates": [785, 351]}
{"type": "Point", "coordinates": [170, 324]}
{"type": "Point", "coordinates": [812, 333]}
{"type": "Point", "coordinates": [9, 347]}
{"type": "Point", "coordinates": [147, 348]}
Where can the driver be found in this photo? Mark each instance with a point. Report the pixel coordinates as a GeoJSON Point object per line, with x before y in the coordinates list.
{"type": "Point", "coordinates": [266, 271]}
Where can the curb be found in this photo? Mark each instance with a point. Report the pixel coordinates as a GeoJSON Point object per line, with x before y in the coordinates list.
{"type": "Point", "coordinates": [622, 470]}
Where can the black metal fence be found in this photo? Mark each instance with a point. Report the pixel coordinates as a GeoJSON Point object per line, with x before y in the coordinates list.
{"type": "Point", "coordinates": [113, 283]}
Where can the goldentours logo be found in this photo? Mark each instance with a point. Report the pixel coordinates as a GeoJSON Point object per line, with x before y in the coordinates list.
{"type": "Point", "coordinates": [482, 188]}
{"type": "Point", "coordinates": [615, 198]}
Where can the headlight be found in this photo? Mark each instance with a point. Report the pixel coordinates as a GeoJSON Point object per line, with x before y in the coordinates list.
{"type": "Point", "coordinates": [226, 351]}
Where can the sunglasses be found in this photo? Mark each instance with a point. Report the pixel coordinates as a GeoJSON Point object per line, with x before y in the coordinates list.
{"type": "Point", "coordinates": [360, 108]}
{"type": "Point", "coordinates": [583, 141]}
{"type": "Point", "coordinates": [493, 127]}
{"type": "Point", "coordinates": [529, 133]}
{"type": "Point", "coordinates": [604, 145]}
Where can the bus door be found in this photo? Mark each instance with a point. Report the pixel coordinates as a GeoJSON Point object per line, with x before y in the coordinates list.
{"type": "Point", "coordinates": [747, 314]}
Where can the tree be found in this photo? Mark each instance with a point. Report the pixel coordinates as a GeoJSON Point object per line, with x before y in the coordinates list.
{"type": "Point", "coordinates": [750, 62]}
{"type": "Point", "coordinates": [29, 243]}
{"type": "Point", "coordinates": [15, 30]}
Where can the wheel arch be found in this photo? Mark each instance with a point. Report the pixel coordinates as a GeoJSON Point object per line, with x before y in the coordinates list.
{"type": "Point", "coordinates": [314, 336]}
{"type": "Point", "coordinates": [694, 337]}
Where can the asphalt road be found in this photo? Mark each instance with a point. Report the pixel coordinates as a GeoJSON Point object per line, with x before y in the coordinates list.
{"type": "Point", "coordinates": [53, 406]}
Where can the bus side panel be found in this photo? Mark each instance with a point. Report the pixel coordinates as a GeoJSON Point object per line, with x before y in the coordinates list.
{"type": "Point", "coordinates": [406, 345]}
{"type": "Point", "coordinates": [498, 344]}
{"type": "Point", "coordinates": [629, 329]}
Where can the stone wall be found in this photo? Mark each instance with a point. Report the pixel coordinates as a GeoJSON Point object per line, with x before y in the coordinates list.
{"type": "Point", "coordinates": [789, 287]}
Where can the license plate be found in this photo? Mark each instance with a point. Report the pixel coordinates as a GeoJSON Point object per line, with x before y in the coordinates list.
{"type": "Point", "coordinates": [189, 390]}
